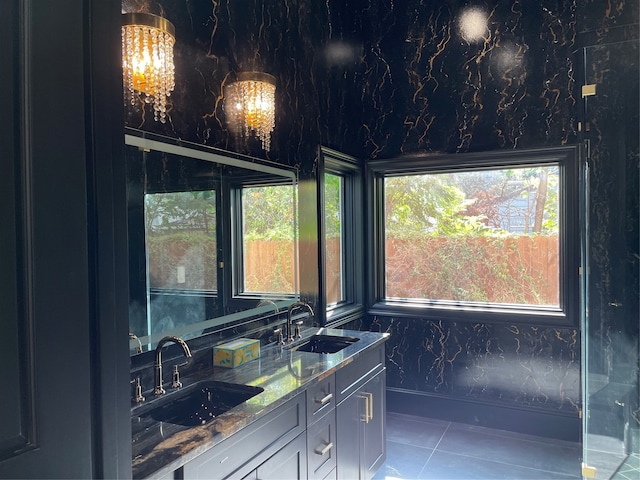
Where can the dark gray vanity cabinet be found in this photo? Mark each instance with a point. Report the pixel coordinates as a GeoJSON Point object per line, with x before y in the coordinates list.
{"type": "Point", "coordinates": [334, 429]}
{"type": "Point", "coordinates": [255, 451]}
{"type": "Point", "coordinates": [360, 416]}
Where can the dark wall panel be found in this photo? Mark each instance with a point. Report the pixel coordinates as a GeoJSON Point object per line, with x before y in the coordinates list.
{"type": "Point", "coordinates": [53, 392]}
{"type": "Point", "coordinates": [16, 415]}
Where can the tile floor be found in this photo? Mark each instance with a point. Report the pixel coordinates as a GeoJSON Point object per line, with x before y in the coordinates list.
{"type": "Point", "coordinates": [606, 454]}
{"type": "Point", "coordinates": [421, 448]}
{"type": "Point", "coordinates": [630, 468]}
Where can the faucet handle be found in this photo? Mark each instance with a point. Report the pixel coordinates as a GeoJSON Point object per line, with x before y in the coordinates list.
{"type": "Point", "coordinates": [138, 398]}
{"type": "Point", "coordinates": [176, 383]}
{"type": "Point", "coordinates": [278, 331]}
{"type": "Point", "coordinates": [297, 329]}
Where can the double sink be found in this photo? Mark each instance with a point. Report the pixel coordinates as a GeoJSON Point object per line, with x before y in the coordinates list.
{"type": "Point", "coordinates": [203, 401]}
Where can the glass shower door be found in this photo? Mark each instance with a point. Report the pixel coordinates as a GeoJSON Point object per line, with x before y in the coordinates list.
{"type": "Point", "coordinates": [610, 348]}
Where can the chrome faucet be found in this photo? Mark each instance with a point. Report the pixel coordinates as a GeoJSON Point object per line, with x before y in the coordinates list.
{"type": "Point", "coordinates": [159, 390]}
{"type": "Point", "coordinates": [292, 307]}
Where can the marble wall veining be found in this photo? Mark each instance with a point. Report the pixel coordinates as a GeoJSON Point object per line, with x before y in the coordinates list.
{"type": "Point", "coordinates": [512, 364]}
{"type": "Point", "coordinates": [379, 79]}
{"type": "Point", "coordinates": [456, 76]}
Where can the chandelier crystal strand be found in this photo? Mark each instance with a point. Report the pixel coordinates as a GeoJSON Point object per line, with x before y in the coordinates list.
{"type": "Point", "coordinates": [147, 60]}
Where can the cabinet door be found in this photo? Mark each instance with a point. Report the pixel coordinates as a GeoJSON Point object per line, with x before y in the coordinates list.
{"type": "Point", "coordinates": [373, 450]}
{"type": "Point", "coordinates": [361, 427]}
{"type": "Point", "coordinates": [289, 463]}
{"type": "Point", "coordinates": [349, 418]}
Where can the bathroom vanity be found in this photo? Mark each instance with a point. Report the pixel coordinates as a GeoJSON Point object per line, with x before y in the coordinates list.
{"type": "Point", "coordinates": [307, 414]}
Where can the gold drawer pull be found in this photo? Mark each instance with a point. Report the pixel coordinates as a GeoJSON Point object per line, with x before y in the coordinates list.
{"type": "Point", "coordinates": [325, 399]}
{"type": "Point", "coordinates": [325, 449]}
{"type": "Point", "coordinates": [368, 406]}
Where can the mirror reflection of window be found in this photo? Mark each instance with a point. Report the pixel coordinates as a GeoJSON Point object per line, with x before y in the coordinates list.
{"type": "Point", "coordinates": [186, 240]}
{"type": "Point", "coordinates": [268, 239]}
{"type": "Point", "coordinates": [180, 235]}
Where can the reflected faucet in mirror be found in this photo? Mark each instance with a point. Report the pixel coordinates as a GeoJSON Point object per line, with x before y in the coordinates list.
{"type": "Point", "coordinates": [292, 307]}
{"type": "Point", "coordinates": [264, 302]}
{"type": "Point", "coordinates": [132, 336]}
{"type": "Point", "coordinates": [159, 389]}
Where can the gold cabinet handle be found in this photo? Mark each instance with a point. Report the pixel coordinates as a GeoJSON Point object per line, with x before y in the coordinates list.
{"type": "Point", "coordinates": [368, 406]}
{"type": "Point", "coordinates": [370, 400]}
{"type": "Point", "coordinates": [325, 399]}
{"type": "Point", "coordinates": [324, 450]}
{"type": "Point", "coordinates": [363, 396]}
{"type": "Point", "coordinates": [367, 413]}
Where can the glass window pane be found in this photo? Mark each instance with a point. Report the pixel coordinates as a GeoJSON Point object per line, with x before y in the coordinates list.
{"type": "Point", "coordinates": [334, 212]}
{"type": "Point", "coordinates": [474, 236]}
{"type": "Point", "coordinates": [180, 232]}
{"type": "Point", "coordinates": [268, 239]}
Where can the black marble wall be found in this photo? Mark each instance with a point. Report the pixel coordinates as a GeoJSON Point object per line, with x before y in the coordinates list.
{"type": "Point", "coordinates": [460, 76]}
{"type": "Point", "coordinates": [378, 79]}
{"type": "Point", "coordinates": [521, 365]}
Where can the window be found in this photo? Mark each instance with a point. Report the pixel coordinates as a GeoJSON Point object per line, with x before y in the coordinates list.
{"type": "Point", "coordinates": [334, 238]}
{"type": "Point", "coordinates": [343, 259]}
{"type": "Point", "coordinates": [493, 236]}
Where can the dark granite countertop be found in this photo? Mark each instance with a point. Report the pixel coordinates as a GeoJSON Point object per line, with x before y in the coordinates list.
{"type": "Point", "coordinates": [160, 447]}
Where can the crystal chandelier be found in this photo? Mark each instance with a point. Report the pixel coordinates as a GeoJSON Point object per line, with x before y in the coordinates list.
{"type": "Point", "coordinates": [250, 105]}
{"type": "Point", "coordinates": [147, 60]}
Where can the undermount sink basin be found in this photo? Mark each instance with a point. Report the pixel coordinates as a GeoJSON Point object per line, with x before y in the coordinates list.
{"type": "Point", "coordinates": [325, 344]}
{"type": "Point", "coordinates": [200, 403]}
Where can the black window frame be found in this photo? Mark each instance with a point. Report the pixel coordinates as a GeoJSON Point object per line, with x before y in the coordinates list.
{"type": "Point", "coordinates": [567, 314]}
{"type": "Point", "coordinates": [351, 170]}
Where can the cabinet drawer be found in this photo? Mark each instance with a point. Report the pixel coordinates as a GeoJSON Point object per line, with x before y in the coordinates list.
{"type": "Point", "coordinates": [332, 475]}
{"type": "Point", "coordinates": [321, 447]}
{"type": "Point", "coordinates": [321, 398]}
{"type": "Point", "coordinates": [289, 463]}
{"type": "Point", "coordinates": [354, 375]}
{"type": "Point", "coordinates": [252, 445]}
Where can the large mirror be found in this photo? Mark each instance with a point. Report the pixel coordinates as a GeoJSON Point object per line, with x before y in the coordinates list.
{"type": "Point", "coordinates": [212, 239]}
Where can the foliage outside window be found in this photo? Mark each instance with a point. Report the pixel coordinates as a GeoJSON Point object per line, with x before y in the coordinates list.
{"type": "Point", "coordinates": [474, 236]}
{"type": "Point", "coordinates": [268, 226]}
